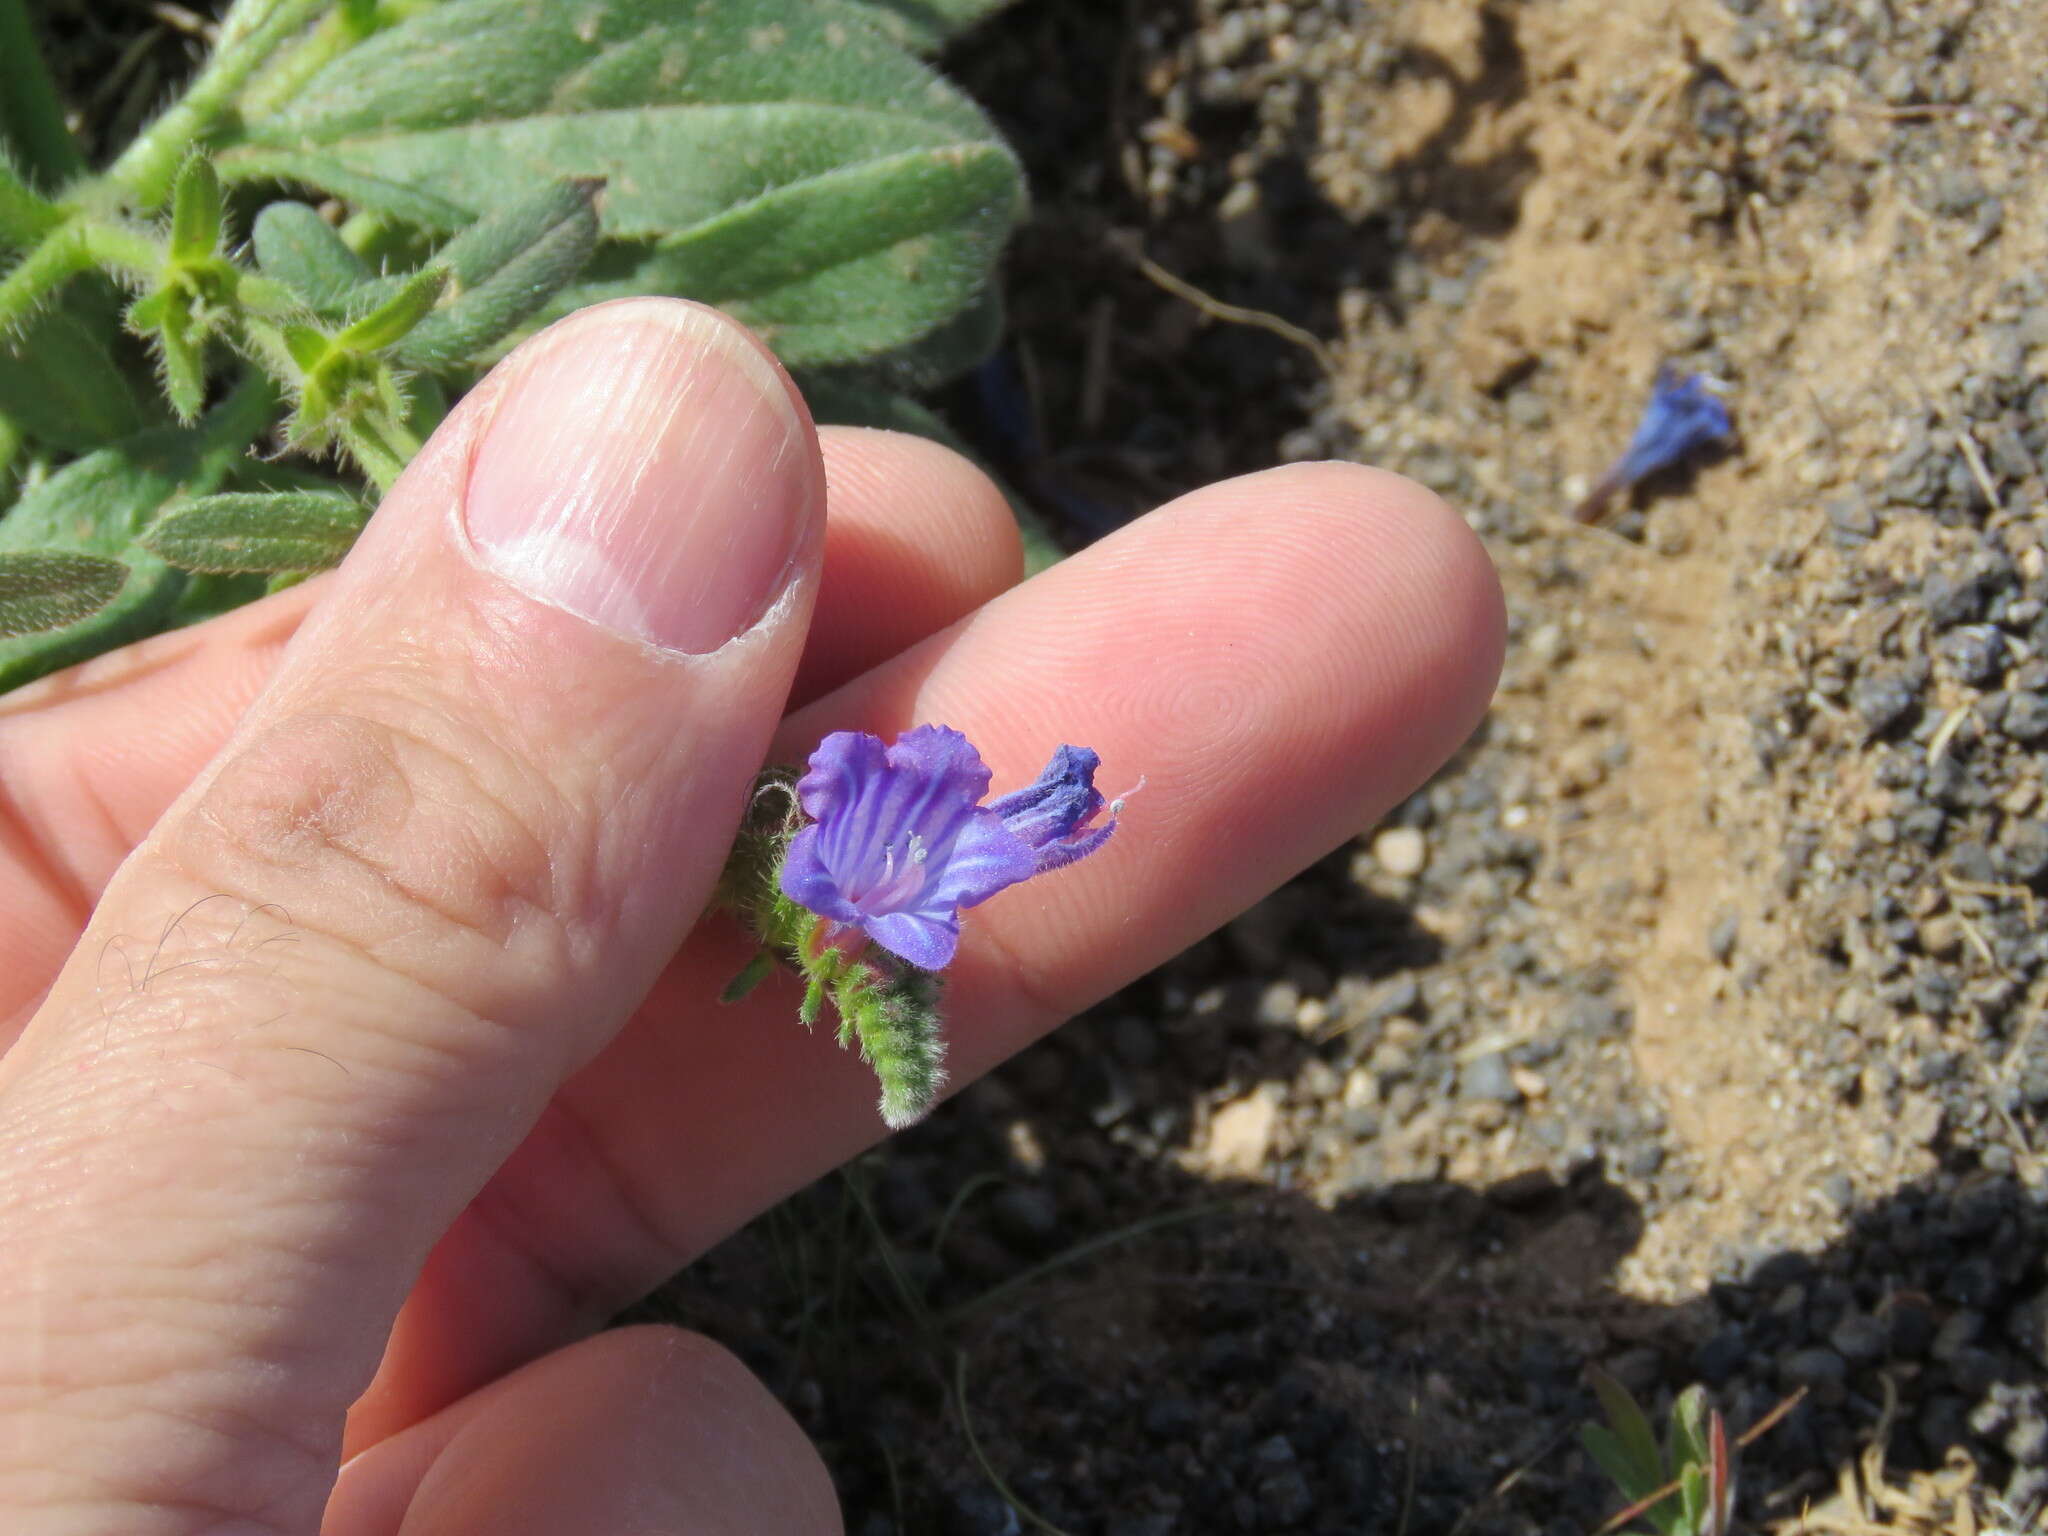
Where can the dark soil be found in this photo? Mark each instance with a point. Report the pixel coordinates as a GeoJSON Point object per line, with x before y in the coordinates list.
{"type": "Point", "coordinates": [1687, 1024]}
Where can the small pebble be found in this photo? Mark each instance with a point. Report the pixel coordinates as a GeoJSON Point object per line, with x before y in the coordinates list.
{"type": "Point", "coordinates": [1401, 851]}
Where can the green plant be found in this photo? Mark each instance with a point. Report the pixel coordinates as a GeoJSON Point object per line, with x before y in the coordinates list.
{"type": "Point", "coordinates": [470, 169]}
{"type": "Point", "coordinates": [1684, 1487]}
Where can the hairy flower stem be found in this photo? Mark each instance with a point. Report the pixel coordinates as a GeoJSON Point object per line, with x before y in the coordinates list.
{"type": "Point", "coordinates": [254, 30]}
{"type": "Point", "coordinates": [31, 116]}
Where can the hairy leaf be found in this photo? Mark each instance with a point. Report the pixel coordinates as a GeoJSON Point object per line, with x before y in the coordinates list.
{"type": "Point", "coordinates": [59, 384]}
{"type": "Point", "coordinates": [781, 157]}
{"type": "Point", "coordinates": [938, 357]}
{"type": "Point", "coordinates": [260, 533]}
{"type": "Point", "coordinates": [301, 250]}
{"type": "Point", "coordinates": [98, 505]}
{"type": "Point", "coordinates": [929, 25]}
{"type": "Point", "coordinates": [504, 268]}
{"type": "Point", "coordinates": [44, 589]}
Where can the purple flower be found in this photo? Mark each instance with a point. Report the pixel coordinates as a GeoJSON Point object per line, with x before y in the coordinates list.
{"type": "Point", "coordinates": [1053, 813]}
{"type": "Point", "coordinates": [1683, 416]}
{"type": "Point", "coordinates": [899, 840]}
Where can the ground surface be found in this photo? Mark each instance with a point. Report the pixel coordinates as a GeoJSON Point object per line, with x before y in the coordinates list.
{"type": "Point", "coordinates": [1687, 1023]}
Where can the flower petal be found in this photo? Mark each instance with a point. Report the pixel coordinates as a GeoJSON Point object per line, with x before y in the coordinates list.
{"type": "Point", "coordinates": [926, 939]}
{"type": "Point", "coordinates": [983, 858]}
{"type": "Point", "coordinates": [807, 882]}
{"type": "Point", "coordinates": [1062, 798]}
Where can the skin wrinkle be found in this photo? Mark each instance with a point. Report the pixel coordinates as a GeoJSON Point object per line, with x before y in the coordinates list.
{"type": "Point", "coordinates": [319, 797]}
{"type": "Point", "coordinates": [589, 1295]}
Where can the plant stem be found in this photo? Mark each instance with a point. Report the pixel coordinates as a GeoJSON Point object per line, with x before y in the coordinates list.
{"type": "Point", "coordinates": [30, 114]}
{"type": "Point", "coordinates": [148, 166]}
{"type": "Point", "coordinates": [10, 450]}
{"type": "Point", "coordinates": [60, 257]}
{"type": "Point", "coordinates": [116, 248]}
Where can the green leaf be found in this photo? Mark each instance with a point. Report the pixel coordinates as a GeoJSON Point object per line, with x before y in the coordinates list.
{"type": "Point", "coordinates": [939, 356]}
{"type": "Point", "coordinates": [393, 320]}
{"type": "Point", "coordinates": [45, 589]}
{"type": "Point", "coordinates": [841, 267]}
{"type": "Point", "coordinates": [1638, 1440]}
{"type": "Point", "coordinates": [260, 533]}
{"type": "Point", "coordinates": [60, 385]}
{"type": "Point", "coordinates": [208, 597]}
{"type": "Point", "coordinates": [781, 157]}
{"type": "Point", "coordinates": [1605, 1447]}
{"type": "Point", "coordinates": [301, 250]}
{"type": "Point", "coordinates": [929, 25]}
{"type": "Point", "coordinates": [98, 504]}
{"type": "Point", "coordinates": [504, 268]}
{"type": "Point", "coordinates": [1687, 1441]}
{"type": "Point", "coordinates": [196, 211]}
{"type": "Point", "coordinates": [1691, 1511]}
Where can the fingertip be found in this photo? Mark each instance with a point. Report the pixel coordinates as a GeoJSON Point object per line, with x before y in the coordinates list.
{"type": "Point", "coordinates": [646, 1428]}
{"type": "Point", "coordinates": [1424, 576]}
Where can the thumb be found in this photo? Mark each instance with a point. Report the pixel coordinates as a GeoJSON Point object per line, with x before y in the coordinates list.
{"type": "Point", "coordinates": [434, 871]}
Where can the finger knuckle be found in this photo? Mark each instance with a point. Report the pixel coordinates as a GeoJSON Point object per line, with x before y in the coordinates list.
{"type": "Point", "coordinates": [374, 832]}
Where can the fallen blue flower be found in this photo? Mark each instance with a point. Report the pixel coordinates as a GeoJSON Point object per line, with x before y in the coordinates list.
{"type": "Point", "coordinates": [1683, 416]}
{"type": "Point", "coordinates": [899, 841]}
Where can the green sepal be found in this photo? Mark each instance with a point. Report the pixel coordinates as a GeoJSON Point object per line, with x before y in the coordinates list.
{"type": "Point", "coordinates": [394, 319]}
{"type": "Point", "coordinates": [751, 975]}
{"type": "Point", "coordinates": [1692, 1502]}
{"type": "Point", "coordinates": [182, 354]}
{"type": "Point", "coordinates": [196, 211]}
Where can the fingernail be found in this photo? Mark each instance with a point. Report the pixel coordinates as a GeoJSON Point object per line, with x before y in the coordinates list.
{"type": "Point", "coordinates": [643, 468]}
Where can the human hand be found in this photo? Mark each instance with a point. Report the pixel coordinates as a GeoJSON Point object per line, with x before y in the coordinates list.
{"type": "Point", "coordinates": [359, 1073]}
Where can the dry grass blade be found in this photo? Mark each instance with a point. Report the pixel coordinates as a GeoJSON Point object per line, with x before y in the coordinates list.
{"type": "Point", "coordinates": [1237, 314]}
